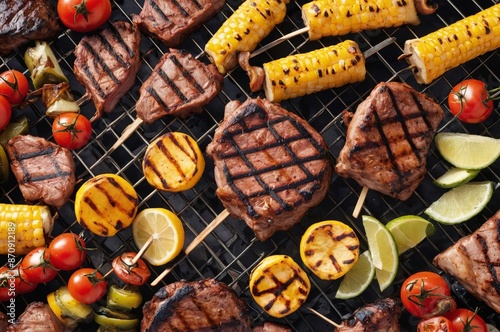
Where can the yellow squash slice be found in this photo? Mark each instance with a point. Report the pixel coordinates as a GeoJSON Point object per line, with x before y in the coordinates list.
{"type": "Point", "coordinates": [279, 285]}
{"type": "Point", "coordinates": [173, 162]}
{"type": "Point", "coordinates": [329, 249]}
{"type": "Point", "coordinates": [106, 204]}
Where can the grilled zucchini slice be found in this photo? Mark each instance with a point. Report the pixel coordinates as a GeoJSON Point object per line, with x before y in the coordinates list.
{"type": "Point", "coordinates": [106, 204]}
{"type": "Point", "coordinates": [329, 249]}
{"type": "Point", "coordinates": [279, 285]}
{"type": "Point", "coordinates": [173, 162]}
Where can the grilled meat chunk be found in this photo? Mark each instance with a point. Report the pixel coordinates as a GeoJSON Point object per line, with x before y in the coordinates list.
{"type": "Point", "coordinates": [4, 321]}
{"type": "Point", "coordinates": [205, 305]}
{"type": "Point", "coordinates": [474, 261]}
{"type": "Point", "coordinates": [271, 327]}
{"type": "Point", "coordinates": [388, 139]}
{"type": "Point", "coordinates": [271, 166]}
{"type": "Point", "coordinates": [381, 315]}
{"type": "Point", "coordinates": [173, 21]}
{"type": "Point", "coordinates": [45, 171]}
{"type": "Point", "coordinates": [25, 20]}
{"type": "Point", "coordinates": [179, 85]}
{"type": "Point", "coordinates": [106, 64]}
{"type": "Point", "coordinates": [37, 317]}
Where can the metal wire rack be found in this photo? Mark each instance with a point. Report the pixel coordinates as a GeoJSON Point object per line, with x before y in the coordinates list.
{"type": "Point", "coordinates": [231, 251]}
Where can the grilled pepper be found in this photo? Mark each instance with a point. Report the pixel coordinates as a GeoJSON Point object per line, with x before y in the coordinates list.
{"type": "Point", "coordinates": [68, 310]}
{"type": "Point", "coordinates": [19, 126]}
{"type": "Point", "coordinates": [43, 66]}
{"type": "Point", "coordinates": [108, 318]}
{"type": "Point", "coordinates": [123, 299]}
{"type": "Point", "coordinates": [58, 99]}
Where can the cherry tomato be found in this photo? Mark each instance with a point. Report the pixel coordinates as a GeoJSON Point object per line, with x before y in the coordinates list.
{"type": "Point", "coordinates": [14, 86]}
{"type": "Point", "coordinates": [134, 274]}
{"type": "Point", "coordinates": [36, 265]}
{"type": "Point", "coordinates": [5, 112]}
{"type": "Point", "coordinates": [87, 286]}
{"type": "Point", "coordinates": [470, 101]}
{"type": "Point", "coordinates": [436, 324]}
{"type": "Point", "coordinates": [466, 320]}
{"type": "Point", "coordinates": [67, 251]}
{"type": "Point", "coordinates": [83, 15]}
{"type": "Point", "coordinates": [71, 130]}
{"type": "Point", "coordinates": [14, 282]}
{"type": "Point", "coordinates": [426, 294]}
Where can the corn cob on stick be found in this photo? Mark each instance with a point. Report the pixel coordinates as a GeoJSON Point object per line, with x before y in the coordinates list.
{"type": "Point", "coordinates": [243, 31]}
{"type": "Point", "coordinates": [451, 46]}
{"type": "Point", "coordinates": [23, 227]}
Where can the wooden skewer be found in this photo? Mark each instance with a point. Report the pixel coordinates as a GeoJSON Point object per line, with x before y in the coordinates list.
{"type": "Point", "coordinates": [279, 41]}
{"type": "Point", "coordinates": [126, 134]}
{"type": "Point", "coordinates": [359, 203]}
{"type": "Point", "coordinates": [326, 319]}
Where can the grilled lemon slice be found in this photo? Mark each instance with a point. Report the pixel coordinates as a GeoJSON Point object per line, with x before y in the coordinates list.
{"type": "Point", "coordinates": [173, 162]}
{"type": "Point", "coordinates": [329, 249]}
{"type": "Point", "coordinates": [279, 285]}
{"type": "Point", "coordinates": [106, 204]}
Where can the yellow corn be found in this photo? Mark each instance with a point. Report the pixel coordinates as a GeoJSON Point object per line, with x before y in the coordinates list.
{"type": "Point", "coordinates": [451, 46]}
{"type": "Point", "coordinates": [339, 17]}
{"type": "Point", "coordinates": [23, 227]}
{"type": "Point", "coordinates": [242, 32]}
{"type": "Point", "coordinates": [302, 74]}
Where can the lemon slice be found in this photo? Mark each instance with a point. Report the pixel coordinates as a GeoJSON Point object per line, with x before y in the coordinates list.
{"type": "Point", "coordinates": [408, 231]}
{"type": "Point", "coordinates": [383, 249]}
{"type": "Point", "coordinates": [461, 203]}
{"type": "Point", "coordinates": [358, 278]}
{"type": "Point", "coordinates": [468, 151]}
{"type": "Point", "coordinates": [165, 230]}
{"type": "Point", "coordinates": [455, 177]}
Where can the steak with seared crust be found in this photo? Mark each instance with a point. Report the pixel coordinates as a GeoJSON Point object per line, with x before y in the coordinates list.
{"type": "Point", "coordinates": [271, 166]}
{"type": "Point", "coordinates": [388, 139]}
{"type": "Point", "coordinates": [37, 317]}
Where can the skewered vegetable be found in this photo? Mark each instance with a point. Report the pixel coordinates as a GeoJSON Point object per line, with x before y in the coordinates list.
{"type": "Point", "coordinates": [58, 99]}
{"type": "Point", "coordinates": [248, 25]}
{"type": "Point", "coordinates": [131, 273]}
{"type": "Point", "coordinates": [115, 320]}
{"type": "Point", "coordinates": [43, 66]}
{"type": "Point", "coordinates": [23, 227]}
{"type": "Point", "coordinates": [68, 310]}
{"type": "Point", "coordinates": [451, 46]}
{"type": "Point", "coordinates": [123, 299]}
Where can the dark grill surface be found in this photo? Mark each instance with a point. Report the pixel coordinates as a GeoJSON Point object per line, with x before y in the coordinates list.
{"type": "Point", "coordinates": [230, 252]}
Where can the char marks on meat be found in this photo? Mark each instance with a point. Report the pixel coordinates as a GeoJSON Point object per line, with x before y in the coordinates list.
{"type": "Point", "coordinates": [388, 138]}
{"type": "Point", "coordinates": [271, 166]}
{"type": "Point", "coordinates": [106, 64]}
{"type": "Point", "coordinates": [45, 171]}
{"type": "Point", "coordinates": [381, 315]}
{"type": "Point", "coordinates": [205, 305]}
{"type": "Point", "coordinates": [37, 317]}
{"type": "Point", "coordinates": [173, 21]}
{"type": "Point", "coordinates": [179, 85]}
{"type": "Point", "coordinates": [22, 21]}
{"type": "Point", "coordinates": [474, 261]}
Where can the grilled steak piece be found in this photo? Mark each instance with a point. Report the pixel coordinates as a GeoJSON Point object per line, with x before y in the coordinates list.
{"type": "Point", "coordinates": [45, 171]}
{"type": "Point", "coordinates": [173, 21]}
{"type": "Point", "coordinates": [179, 85]}
{"type": "Point", "coordinates": [205, 305]}
{"type": "Point", "coordinates": [271, 166]}
{"type": "Point", "coordinates": [37, 317]}
{"type": "Point", "coordinates": [381, 315]}
{"type": "Point", "coordinates": [106, 64]}
{"type": "Point", "coordinates": [24, 20]}
{"type": "Point", "coordinates": [388, 139]}
{"type": "Point", "coordinates": [475, 262]}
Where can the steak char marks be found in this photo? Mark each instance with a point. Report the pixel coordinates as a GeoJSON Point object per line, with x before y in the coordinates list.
{"type": "Point", "coordinates": [271, 166]}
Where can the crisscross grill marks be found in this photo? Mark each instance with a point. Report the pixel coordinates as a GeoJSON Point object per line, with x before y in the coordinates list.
{"type": "Point", "coordinates": [176, 4]}
{"type": "Point", "coordinates": [48, 153]}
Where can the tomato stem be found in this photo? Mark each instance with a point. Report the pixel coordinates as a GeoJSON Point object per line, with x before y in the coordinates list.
{"type": "Point", "coordinates": [445, 303]}
{"type": "Point", "coordinates": [81, 9]}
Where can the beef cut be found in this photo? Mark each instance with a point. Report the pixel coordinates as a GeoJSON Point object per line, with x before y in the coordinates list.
{"type": "Point", "coordinates": [37, 317]}
{"type": "Point", "coordinates": [271, 166]}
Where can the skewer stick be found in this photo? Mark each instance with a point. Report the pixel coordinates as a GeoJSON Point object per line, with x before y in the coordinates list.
{"type": "Point", "coordinates": [326, 319]}
{"type": "Point", "coordinates": [126, 134]}
{"type": "Point", "coordinates": [197, 240]}
{"type": "Point", "coordinates": [359, 203]}
{"type": "Point", "coordinates": [279, 41]}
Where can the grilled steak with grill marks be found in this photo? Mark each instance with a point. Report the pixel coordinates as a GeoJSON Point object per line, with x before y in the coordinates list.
{"type": "Point", "coordinates": [38, 317]}
{"type": "Point", "coordinates": [271, 166]}
{"type": "Point", "coordinates": [179, 85]}
{"type": "Point", "coordinates": [205, 305]}
{"type": "Point", "coordinates": [173, 21]}
{"type": "Point", "coordinates": [45, 171]}
{"type": "Point", "coordinates": [475, 261]}
{"type": "Point", "coordinates": [388, 139]}
{"type": "Point", "coordinates": [25, 20]}
{"type": "Point", "coordinates": [106, 64]}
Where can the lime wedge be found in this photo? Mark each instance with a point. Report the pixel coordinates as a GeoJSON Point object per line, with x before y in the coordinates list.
{"type": "Point", "coordinates": [383, 249]}
{"type": "Point", "coordinates": [461, 203]}
{"type": "Point", "coordinates": [408, 231]}
{"type": "Point", "coordinates": [358, 278]}
{"type": "Point", "coordinates": [455, 177]}
{"type": "Point", "coordinates": [468, 151]}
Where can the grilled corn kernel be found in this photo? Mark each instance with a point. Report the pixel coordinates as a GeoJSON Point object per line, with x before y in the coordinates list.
{"type": "Point", "coordinates": [451, 46]}
{"type": "Point", "coordinates": [302, 74]}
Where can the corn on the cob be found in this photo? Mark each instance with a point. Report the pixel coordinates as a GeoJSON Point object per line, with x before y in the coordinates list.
{"type": "Point", "coordinates": [451, 46]}
{"type": "Point", "coordinates": [334, 18]}
{"type": "Point", "coordinates": [243, 30]}
{"type": "Point", "coordinates": [23, 227]}
{"type": "Point", "coordinates": [302, 74]}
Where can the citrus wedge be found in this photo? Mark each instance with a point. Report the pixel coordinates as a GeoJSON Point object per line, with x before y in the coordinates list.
{"type": "Point", "coordinates": [408, 231]}
{"type": "Point", "coordinates": [455, 177]}
{"type": "Point", "coordinates": [358, 278]}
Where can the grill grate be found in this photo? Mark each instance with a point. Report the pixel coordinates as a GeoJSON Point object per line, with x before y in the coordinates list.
{"type": "Point", "coordinates": [231, 251]}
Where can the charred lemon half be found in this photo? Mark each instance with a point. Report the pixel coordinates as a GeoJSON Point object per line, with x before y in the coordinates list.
{"type": "Point", "coordinates": [279, 285]}
{"type": "Point", "coordinates": [106, 204]}
{"type": "Point", "coordinates": [329, 249]}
